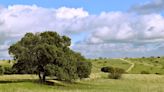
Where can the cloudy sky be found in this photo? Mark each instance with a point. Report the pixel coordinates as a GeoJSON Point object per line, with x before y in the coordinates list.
{"type": "Point", "coordinates": [98, 28]}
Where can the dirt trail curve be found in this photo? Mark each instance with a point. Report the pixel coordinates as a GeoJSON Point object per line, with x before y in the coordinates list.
{"type": "Point", "coordinates": [127, 61]}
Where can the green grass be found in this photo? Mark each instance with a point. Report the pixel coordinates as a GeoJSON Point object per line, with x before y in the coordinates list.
{"type": "Point", "coordinates": [6, 63]}
{"type": "Point", "coordinates": [151, 65]}
{"type": "Point", "coordinates": [98, 81]}
{"type": "Point", "coordinates": [98, 64]}
{"type": "Point", "coordinates": [129, 83]}
{"type": "Point", "coordinates": [17, 77]}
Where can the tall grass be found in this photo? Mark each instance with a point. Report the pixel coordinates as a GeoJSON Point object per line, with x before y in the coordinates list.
{"type": "Point", "coordinates": [129, 83]}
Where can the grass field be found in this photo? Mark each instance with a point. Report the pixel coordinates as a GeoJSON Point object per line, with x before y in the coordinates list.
{"type": "Point", "coordinates": [98, 81]}
{"type": "Point", "coordinates": [151, 65]}
{"type": "Point", "coordinates": [129, 83]}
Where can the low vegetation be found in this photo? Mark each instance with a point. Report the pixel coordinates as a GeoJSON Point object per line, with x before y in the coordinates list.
{"type": "Point", "coordinates": [114, 72]}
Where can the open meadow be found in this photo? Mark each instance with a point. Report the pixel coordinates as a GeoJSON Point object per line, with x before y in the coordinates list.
{"type": "Point", "coordinates": [133, 81]}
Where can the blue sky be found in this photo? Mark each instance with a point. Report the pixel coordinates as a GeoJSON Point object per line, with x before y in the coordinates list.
{"type": "Point", "coordinates": [98, 28]}
{"type": "Point", "coordinates": [93, 6]}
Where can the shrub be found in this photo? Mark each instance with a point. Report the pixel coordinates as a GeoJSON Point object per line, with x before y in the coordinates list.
{"type": "Point", "coordinates": [145, 72]}
{"type": "Point", "coordinates": [105, 61]}
{"type": "Point", "coordinates": [84, 69]}
{"type": "Point", "coordinates": [107, 69]}
{"type": "Point", "coordinates": [9, 70]}
{"type": "Point", "coordinates": [156, 61]}
{"type": "Point", "coordinates": [158, 73]}
{"type": "Point", "coordinates": [158, 57]}
{"type": "Point", "coordinates": [116, 73]}
{"type": "Point", "coordinates": [1, 70]}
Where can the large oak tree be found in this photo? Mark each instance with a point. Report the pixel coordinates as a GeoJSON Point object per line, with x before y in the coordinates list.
{"type": "Point", "coordinates": [48, 53]}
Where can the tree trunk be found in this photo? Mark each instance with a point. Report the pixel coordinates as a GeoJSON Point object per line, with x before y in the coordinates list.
{"type": "Point", "coordinates": [42, 76]}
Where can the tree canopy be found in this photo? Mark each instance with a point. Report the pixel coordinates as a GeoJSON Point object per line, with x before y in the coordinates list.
{"type": "Point", "coordinates": [48, 53]}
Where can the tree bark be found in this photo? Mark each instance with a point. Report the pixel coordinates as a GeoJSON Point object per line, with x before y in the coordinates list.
{"type": "Point", "coordinates": [42, 76]}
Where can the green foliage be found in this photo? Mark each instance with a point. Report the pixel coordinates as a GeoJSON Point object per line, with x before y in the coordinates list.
{"type": "Point", "coordinates": [1, 70]}
{"type": "Point", "coordinates": [37, 52]}
{"type": "Point", "coordinates": [106, 69]}
{"type": "Point", "coordinates": [54, 70]}
{"type": "Point", "coordinates": [63, 73]}
{"type": "Point", "coordinates": [8, 70]}
{"type": "Point", "coordinates": [22, 67]}
{"type": "Point", "coordinates": [84, 69]}
{"type": "Point", "coordinates": [116, 73]}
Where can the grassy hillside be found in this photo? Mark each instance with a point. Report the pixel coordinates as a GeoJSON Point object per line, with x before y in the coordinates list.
{"type": "Point", "coordinates": [98, 63]}
{"type": "Point", "coordinates": [98, 81]}
{"type": "Point", "coordinates": [151, 65]}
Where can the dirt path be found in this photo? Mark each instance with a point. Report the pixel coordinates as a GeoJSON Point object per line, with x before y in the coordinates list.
{"type": "Point", "coordinates": [127, 61]}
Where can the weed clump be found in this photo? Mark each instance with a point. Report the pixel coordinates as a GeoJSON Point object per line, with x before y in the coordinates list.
{"type": "Point", "coordinates": [145, 72]}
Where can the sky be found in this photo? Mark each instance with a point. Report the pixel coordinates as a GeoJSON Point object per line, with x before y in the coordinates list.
{"type": "Point", "coordinates": [98, 28]}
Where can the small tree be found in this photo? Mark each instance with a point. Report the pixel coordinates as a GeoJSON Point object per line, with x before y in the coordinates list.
{"type": "Point", "coordinates": [116, 73]}
{"type": "Point", "coordinates": [84, 69]}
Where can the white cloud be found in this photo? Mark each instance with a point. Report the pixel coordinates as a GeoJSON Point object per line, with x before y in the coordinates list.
{"type": "Point", "coordinates": [124, 35]}
{"type": "Point", "coordinates": [130, 28]}
{"type": "Point", "coordinates": [119, 50]}
{"type": "Point", "coordinates": [16, 20]}
{"type": "Point", "coordinates": [69, 13]}
{"type": "Point", "coordinates": [117, 33]}
{"type": "Point", "coordinates": [149, 7]}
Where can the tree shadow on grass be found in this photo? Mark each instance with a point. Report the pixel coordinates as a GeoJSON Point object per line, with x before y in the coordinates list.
{"type": "Point", "coordinates": [69, 85]}
{"type": "Point", "coordinates": [19, 81]}
{"type": "Point", "coordinates": [56, 82]}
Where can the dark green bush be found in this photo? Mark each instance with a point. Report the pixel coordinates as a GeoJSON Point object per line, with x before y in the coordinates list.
{"type": "Point", "coordinates": [158, 73]}
{"type": "Point", "coordinates": [145, 72]}
{"type": "Point", "coordinates": [156, 61]}
{"type": "Point", "coordinates": [116, 73]}
{"type": "Point", "coordinates": [83, 69]}
{"type": "Point", "coordinates": [158, 57]}
{"type": "Point", "coordinates": [107, 69]}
